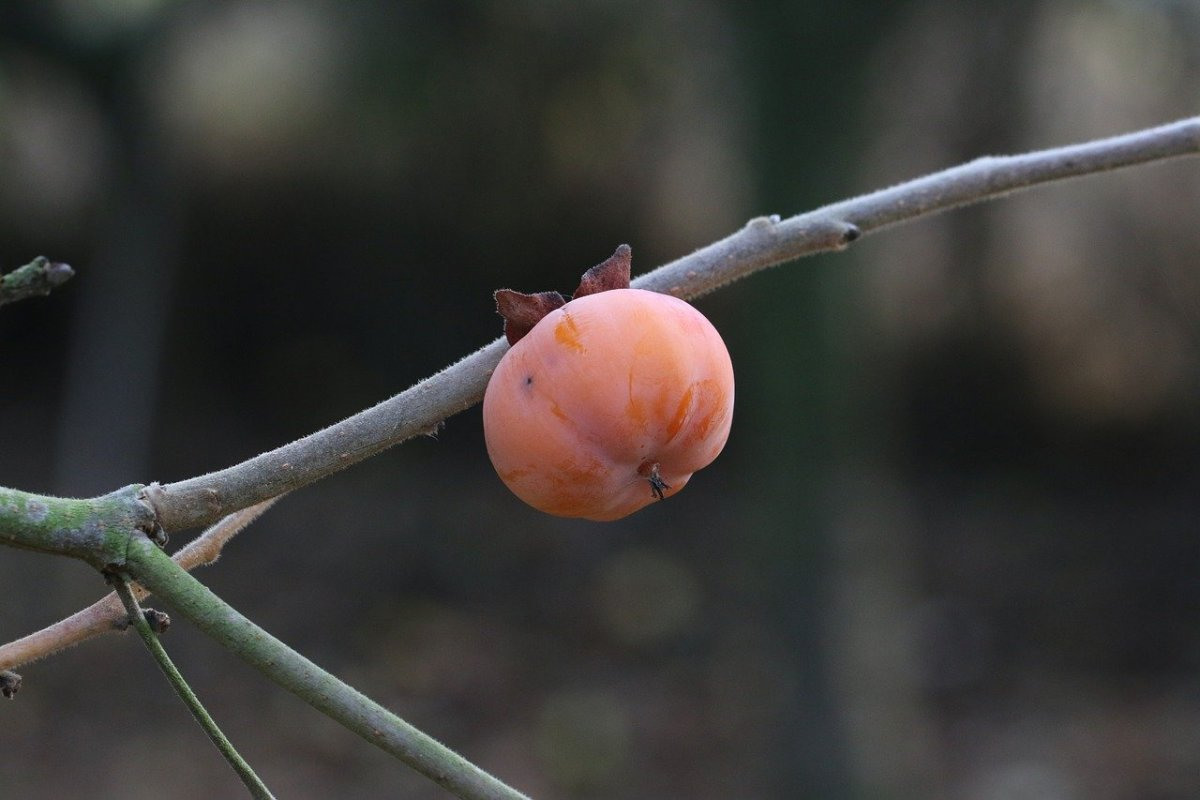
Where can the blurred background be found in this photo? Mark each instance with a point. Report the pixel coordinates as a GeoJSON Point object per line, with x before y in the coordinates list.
{"type": "Point", "coordinates": [950, 551]}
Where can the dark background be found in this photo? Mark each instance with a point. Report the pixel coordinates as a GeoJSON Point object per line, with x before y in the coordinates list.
{"type": "Point", "coordinates": [950, 550]}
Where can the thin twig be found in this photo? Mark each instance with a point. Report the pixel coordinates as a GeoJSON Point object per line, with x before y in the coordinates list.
{"type": "Point", "coordinates": [324, 692]}
{"type": "Point", "coordinates": [108, 615]}
{"type": "Point", "coordinates": [38, 277]}
{"type": "Point", "coordinates": [762, 243]}
{"type": "Point", "coordinates": [206, 548]}
{"type": "Point", "coordinates": [254, 784]}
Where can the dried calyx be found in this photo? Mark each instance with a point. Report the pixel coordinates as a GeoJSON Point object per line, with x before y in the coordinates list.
{"type": "Point", "coordinates": [522, 311]}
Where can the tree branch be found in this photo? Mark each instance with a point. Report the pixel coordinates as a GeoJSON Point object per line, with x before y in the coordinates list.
{"type": "Point", "coordinates": [38, 277]}
{"type": "Point", "coordinates": [762, 243]}
{"type": "Point", "coordinates": [93, 530]}
{"type": "Point", "coordinates": [324, 692]}
{"type": "Point", "coordinates": [245, 772]}
{"type": "Point", "coordinates": [108, 615]}
{"type": "Point", "coordinates": [104, 531]}
{"type": "Point", "coordinates": [111, 534]}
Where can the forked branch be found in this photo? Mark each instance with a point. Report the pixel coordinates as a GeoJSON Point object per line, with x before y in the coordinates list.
{"type": "Point", "coordinates": [105, 531]}
{"type": "Point", "coordinates": [258, 790]}
{"type": "Point", "coordinates": [108, 615]}
{"type": "Point", "coordinates": [309, 682]}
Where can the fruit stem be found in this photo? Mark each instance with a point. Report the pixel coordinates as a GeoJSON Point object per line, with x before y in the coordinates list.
{"type": "Point", "coordinates": [657, 484]}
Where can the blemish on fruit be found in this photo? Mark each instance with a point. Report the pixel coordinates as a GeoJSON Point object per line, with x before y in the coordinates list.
{"type": "Point", "coordinates": [633, 409]}
{"type": "Point", "coordinates": [566, 332]}
{"type": "Point", "coordinates": [681, 414]}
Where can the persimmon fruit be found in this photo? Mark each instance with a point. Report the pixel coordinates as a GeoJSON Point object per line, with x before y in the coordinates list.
{"type": "Point", "coordinates": [608, 402]}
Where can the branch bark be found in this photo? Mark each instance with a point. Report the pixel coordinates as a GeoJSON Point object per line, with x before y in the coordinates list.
{"type": "Point", "coordinates": [762, 243]}
{"type": "Point", "coordinates": [93, 530]}
{"type": "Point", "coordinates": [131, 555]}
{"type": "Point", "coordinates": [324, 692]}
{"type": "Point", "coordinates": [108, 614]}
{"type": "Point", "coordinates": [245, 772]}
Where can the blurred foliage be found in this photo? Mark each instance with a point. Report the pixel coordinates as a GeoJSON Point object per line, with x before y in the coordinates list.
{"type": "Point", "coordinates": [950, 550]}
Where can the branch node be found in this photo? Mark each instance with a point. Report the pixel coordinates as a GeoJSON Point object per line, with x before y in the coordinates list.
{"type": "Point", "coordinates": [149, 526]}
{"type": "Point", "coordinates": [763, 224]}
{"type": "Point", "coordinates": [10, 682]}
{"type": "Point", "coordinates": [159, 621]}
{"type": "Point", "coordinates": [158, 535]}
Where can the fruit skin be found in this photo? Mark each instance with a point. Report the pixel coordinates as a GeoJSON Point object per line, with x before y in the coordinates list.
{"type": "Point", "coordinates": [581, 409]}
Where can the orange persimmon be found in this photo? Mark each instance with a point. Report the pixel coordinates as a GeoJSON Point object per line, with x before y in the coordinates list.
{"type": "Point", "coordinates": [607, 402]}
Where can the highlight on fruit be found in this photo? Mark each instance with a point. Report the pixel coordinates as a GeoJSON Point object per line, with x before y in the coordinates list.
{"type": "Point", "coordinates": [607, 402]}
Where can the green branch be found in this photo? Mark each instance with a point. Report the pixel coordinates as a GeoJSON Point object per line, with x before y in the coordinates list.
{"type": "Point", "coordinates": [113, 533]}
{"type": "Point", "coordinates": [35, 279]}
{"type": "Point", "coordinates": [94, 530]}
{"type": "Point", "coordinates": [107, 614]}
{"type": "Point", "coordinates": [257, 788]}
{"type": "Point", "coordinates": [172, 584]}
